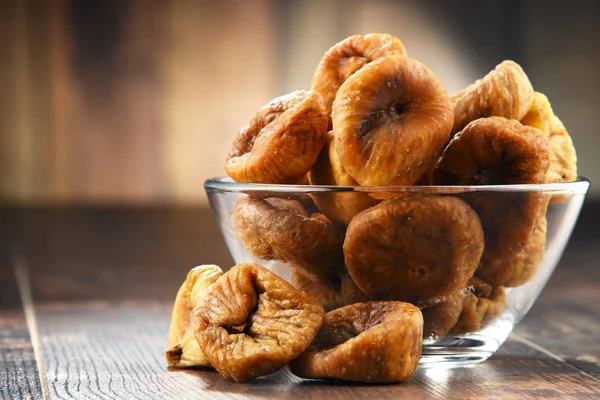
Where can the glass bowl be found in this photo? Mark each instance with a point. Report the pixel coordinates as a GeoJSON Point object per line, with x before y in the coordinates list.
{"type": "Point", "coordinates": [502, 210]}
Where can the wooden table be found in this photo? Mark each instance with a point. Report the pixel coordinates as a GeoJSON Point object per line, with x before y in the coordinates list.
{"type": "Point", "coordinates": [85, 298]}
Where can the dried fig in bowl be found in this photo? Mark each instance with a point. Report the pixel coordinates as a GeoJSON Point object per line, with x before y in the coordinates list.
{"type": "Point", "coordinates": [339, 206]}
{"type": "Point", "coordinates": [495, 151]}
{"type": "Point", "coordinates": [348, 56]}
{"type": "Point", "coordinates": [418, 249]}
{"type": "Point", "coordinates": [282, 142]}
{"type": "Point", "coordinates": [390, 121]}
{"type": "Point", "coordinates": [484, 303]}
{"type": "Point", "coordinates": [281, 229]}
{"type": "Point", "coordinates": [439, 319]}
{"type": "Point", "coordinates": [251, 322]}
{"type": "Point", "coordinates": [504, 92]}
{"type": "Point", "coordinates": [327, 293]}
{"type": "Point", "coordinates": [375, 342]}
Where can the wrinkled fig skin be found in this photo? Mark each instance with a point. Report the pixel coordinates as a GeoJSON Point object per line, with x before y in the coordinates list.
{"type": "Point", "coordinates": [563, 158]}
{"type": "Point", "coordinates": [496, 151]}
{"type": "Point", "coordinates": [347, 57]}
{"type": "Point", "coordinates": [339, 207]}
{"type": "Point", "coordinates": [184, 350]}
{"type": "Point", "coordinates": [480, 306]}
{"type": "Point", "coordinates": [282, 142]}
{"type": "Point", "coordinates": [439, 319]}
{"type": "Point", "coordinates": [417, 249]}
{"type": "Point", "coordinates": [327, 293]}
{"type": "Point", "coordinates": [390, 120]}
{"type": "Point", "coordinates": [252, 323]}
{"type": "Point", "coordinates": [520, 267]}
{"type": "Point", "coordinates": [281, 229]}
{"type": "Point", "coordinates": [504, 92]}
{"type": "Point", "coordinates": [376, 342]}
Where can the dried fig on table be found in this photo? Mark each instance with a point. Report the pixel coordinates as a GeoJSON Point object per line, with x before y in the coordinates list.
{"type": "Point", "coordinates": [340, 206]}
{"type": "Point", "coordinates": [327, 293]}
{"type": "Point", "coordinates": [480, 306]}
{"type": "Point", "coordinates": [519, 268]}
{"type": "Point", "coordinates": [504, 92]}
{"type": "Point", "coordinates": [439, 319]}
{"type": "Point", "coordinates": [282, 142]}
{"type": "Point", "coordinates": [390, 120]}
{"type": "Point", "coordinates": [494, 151]}
{"type": "Point", "coordinates": [348, 56]}
{"type": "Point", "coordinates": [416, 249]}
{"type": "Point", "coordinates": [281, 229]}
{"type": "Point", "coordinates": [184, 350]}
{"type": "Point", "coordinates": [376, 342]}
{"type": "Point", "coordinates": [251, 322]}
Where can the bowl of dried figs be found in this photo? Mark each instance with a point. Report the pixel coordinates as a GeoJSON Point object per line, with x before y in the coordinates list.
{"type": "Point", "coordinates": [391, 223]}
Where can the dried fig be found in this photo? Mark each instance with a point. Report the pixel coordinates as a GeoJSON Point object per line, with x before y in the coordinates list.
{"type": "Point", "coordinates": [494, 151]}
{"type": "Point", "coordinates": [414, 249]}
{"type": "Point", "coordinates": [479, 307]}
{"type": "Point", "coordinates": [281, 229]}
{"type": "Point", "coordinates": [520, 267]}
{"type": "Point", "coordinates": [347, 57]}
{"type": "Point", "coordinates": [350, 292]}
{"type": "Point", "coordinates": [563, 159]}
{"type": "Point", "coordinates": [539, 114]}
{"type": "Point", "coordinates": [251, 322]}
{"type": "Point", "coordinates": [339, 206]}
{"type": "Point", "coordinates": [377, 342]}
{"type": "Point", "coordinates": [390, 119]}
{"type": "Point", "coordinates": [327, 293]}
{"type": "Point", "coordinates": [439, 319]}
{"type": "Point", "coordinates": [184, 350]}
{"type": "Point", "coordinates": [282, 142]}
{"type": "Point", "coordinates": [504, 92]}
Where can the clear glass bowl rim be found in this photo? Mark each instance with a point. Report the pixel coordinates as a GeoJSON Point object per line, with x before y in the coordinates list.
{"type": "Point", "coordinates": [226, 184]}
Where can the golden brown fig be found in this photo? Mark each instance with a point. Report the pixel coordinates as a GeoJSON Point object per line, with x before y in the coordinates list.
{"type": "Point", "coordinates": [414, 249]}
{"type": "Point", "coordinates": [327, 293]}
{"type": "Point", "coordinates": [479, 307]}
{"type": "Point", "coordinates": [281, 229]}
{"type": "Point", "coordinates": [375, 342]}
{"type": "Point", "coordinates": [539, 114]}
{"type": "Point", "coordinates": [504, 92]}
{"type": "Point", "coordinates": [184, 350]}
{"type": "Point", "coordinates": [495, 151]}
{"type": "Point", "coordinates": [347, 57]}
{"type": "Point", "coordinates": [563, 159]}
{"type": "Point", "coordinates": [339, 206]}
{"type": "Point", "coordinates": [251, 322]}
{"type": "Point", "coordinates": [439, 319]}
{"type": "Point", "coordinates": [390, 119]}
{"type": "Point", "coordinates": [282, 142]}
{"type": "Point", "coordinates": [520, 267]}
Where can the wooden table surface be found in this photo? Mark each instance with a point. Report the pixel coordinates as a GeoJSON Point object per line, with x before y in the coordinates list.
{"type": "Point", "coordinates": [86, 295]}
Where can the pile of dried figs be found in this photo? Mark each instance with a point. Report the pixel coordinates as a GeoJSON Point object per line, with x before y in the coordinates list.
{"type": "Point", "coordinates": [375, 272]}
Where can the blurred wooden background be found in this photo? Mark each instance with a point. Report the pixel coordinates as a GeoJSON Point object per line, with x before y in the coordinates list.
{"type": "Point", "coordinates": [137, 101]}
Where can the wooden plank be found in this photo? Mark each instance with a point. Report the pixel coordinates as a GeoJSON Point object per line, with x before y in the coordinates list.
{"type": "Point", "coordinates": [114, 252]}
{"type": "Point", "coordinates": [105, 350]}
{"type": "Point", "coordinates": [19, 373]}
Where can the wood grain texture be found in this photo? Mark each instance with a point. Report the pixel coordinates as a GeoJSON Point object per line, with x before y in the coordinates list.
{"type": "Point", "coordinates": [103, 283]}
{"type": "Point", "coordinates": [104, 350]}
